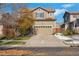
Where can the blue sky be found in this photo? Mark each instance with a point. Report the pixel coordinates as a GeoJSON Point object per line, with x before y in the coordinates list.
{"type": "Point", "coordinates": [60, 8]}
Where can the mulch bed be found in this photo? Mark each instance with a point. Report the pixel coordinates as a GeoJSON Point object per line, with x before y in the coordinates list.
{"type": "Point", "coordinates": [14, 52]}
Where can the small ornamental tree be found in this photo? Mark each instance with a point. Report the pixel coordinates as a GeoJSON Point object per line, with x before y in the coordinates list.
{"type": "Point", "coordinates": [25, 22]}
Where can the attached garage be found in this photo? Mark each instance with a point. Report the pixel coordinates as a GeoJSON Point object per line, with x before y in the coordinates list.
{"type": "Point", "coordinates": [44, 27]}
{"type": "Point", "coordinates": [43, 30]}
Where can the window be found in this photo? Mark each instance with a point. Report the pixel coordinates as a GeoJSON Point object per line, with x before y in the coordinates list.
{"type": "Point", "coordinates": [39, 15]}
{"type": "Point", "coordinates": [76, 16]}
{"type": "Point", "coordinates": [39, 9]}
{"type": "Point", "coordinates": [50, 14]}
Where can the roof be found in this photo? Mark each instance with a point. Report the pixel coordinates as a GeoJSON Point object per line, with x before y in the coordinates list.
{"type": "Point", "coordinates": [46, 9]}
{"type": "Point", "coordinates": [25, 10]}
{"type": "Point", "coordinates": [73, 12]}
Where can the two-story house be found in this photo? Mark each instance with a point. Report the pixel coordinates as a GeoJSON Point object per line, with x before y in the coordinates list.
{"type": "Point", "coordinates": [71, 20]}
{"type": "Point", "coordinates": [45, 20]}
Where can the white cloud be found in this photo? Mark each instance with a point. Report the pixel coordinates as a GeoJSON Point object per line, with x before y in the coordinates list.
{"type": "Point", "coordinates": [67, 5]}
{"type": "Point", "coordinates": [59, 11]}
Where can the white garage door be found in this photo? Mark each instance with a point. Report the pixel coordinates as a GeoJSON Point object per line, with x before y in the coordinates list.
{"type": "Point", "coordinates": [43, 30]}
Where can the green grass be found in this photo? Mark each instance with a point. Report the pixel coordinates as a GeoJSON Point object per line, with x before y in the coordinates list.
{"type": "Point", "coordinates": [1, 42]}
{"type": "Point", "coordinates": [23, 38]}
{"type": "Point", "coordinates": [11, 43]}
{"type": "Point", "coordinates": [16, 41]}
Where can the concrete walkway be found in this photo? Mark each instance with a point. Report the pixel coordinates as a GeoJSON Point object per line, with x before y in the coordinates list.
{"type": "Point", "coordinates": [44, 41]}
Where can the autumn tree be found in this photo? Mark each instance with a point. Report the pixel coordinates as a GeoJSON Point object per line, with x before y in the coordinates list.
{"type": "Point", "coordinates": [25, 22]}
{"type": "Point", "coordinates": [9, 19]}
{"type": "Point", "coordinates": [18, 20]}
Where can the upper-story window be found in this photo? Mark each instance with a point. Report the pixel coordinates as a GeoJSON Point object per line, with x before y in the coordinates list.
{"type": "Point", "coordinates": [40, 15]}
{"type": "Point", "coordinates": [76, 16]}
{"type": "Point", "coordinates": [50, 14]}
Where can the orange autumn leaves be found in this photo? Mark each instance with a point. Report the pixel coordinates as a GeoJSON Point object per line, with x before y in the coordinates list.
{"type": "Point", "coordinates": [25, 21]}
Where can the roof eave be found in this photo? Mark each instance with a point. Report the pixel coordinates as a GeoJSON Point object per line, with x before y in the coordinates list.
{"type": "Point", "coordinates": [43, 9]}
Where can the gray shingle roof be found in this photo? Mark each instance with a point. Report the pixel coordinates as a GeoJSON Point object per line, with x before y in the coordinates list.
{"type": "Point", "coordinates": [73, 12]}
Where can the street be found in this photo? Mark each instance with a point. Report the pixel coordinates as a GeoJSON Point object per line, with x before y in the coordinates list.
{"type": "Point", "coordinates": [48, 51]}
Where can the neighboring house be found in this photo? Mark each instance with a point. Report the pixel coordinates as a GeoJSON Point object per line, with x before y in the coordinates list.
{"type": "Point", "coordinates": [1, 26]}
{"type": "Point", "coordinates": [71, 20]}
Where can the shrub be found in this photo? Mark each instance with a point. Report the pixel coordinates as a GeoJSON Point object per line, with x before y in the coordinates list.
{"type": "Point", "coordinates": [69, 32]}
{"type": "Point", "coordinates": [2, 37]}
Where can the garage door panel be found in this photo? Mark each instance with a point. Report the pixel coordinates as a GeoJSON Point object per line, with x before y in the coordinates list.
{"type": "Point", "coordinates": [44, 31]}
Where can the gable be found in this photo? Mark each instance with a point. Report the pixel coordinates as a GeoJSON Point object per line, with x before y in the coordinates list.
{"type": "Point", "coordinates": [47, 10]}
{"type": "Point", "coordinates": [39, 10]}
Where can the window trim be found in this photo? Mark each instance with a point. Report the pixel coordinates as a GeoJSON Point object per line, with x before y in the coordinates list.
{"type": "Point", "coordinates": [39, 15]}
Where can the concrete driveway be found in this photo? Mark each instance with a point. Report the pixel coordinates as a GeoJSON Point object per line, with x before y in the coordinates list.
{"type": "Point", "coordinates": [44, 41]}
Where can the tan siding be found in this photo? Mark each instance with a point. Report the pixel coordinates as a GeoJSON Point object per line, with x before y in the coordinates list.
{"type": "Point", "coordinates": [46, 14]}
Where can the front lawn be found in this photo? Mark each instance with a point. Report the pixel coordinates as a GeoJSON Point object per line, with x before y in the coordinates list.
{"type": "Point", "coordinates": [23, 38]}
{"type": "Point", "coordinates": [11, 43]}
{"type": "Point", "coordinates": [16, 41]}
